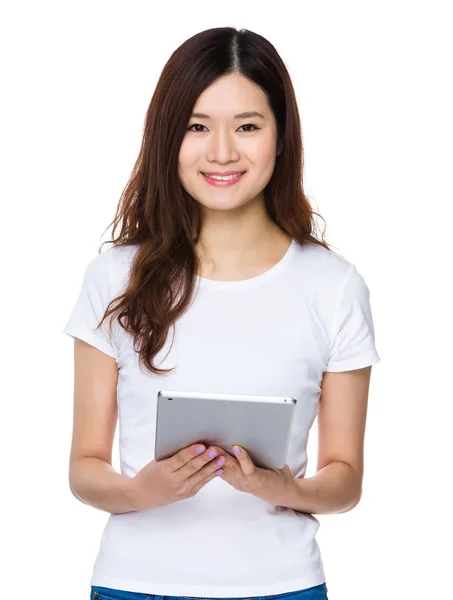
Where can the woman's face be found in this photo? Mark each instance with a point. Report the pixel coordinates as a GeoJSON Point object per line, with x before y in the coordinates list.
{"type": "Point", "coordinates": [223, 142]}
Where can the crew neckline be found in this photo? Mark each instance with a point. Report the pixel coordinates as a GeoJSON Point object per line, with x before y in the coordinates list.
{"type": "Point", "coordinates": [279, 267]}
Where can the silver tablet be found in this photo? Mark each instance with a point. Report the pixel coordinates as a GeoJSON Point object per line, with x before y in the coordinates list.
{"type": "Point", "coordinates": [260, 424]}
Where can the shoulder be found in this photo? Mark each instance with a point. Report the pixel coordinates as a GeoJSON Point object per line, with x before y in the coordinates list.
{"type": "Point", "coordinates": [112, 266]}
{"type": "Point", "coordinates": [120, 257]}
{"type": "Point", "coordinates": [329, 276]}
{"type": "Point", "coordinates": [323, 264]}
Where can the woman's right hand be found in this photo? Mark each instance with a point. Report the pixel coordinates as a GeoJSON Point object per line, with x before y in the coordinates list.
{"type": "Point", "coordinates": [176, 478]}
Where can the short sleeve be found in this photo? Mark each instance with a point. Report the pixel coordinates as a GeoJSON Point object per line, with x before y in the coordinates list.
{"type": "Point", "coordinates": [90, 307]}
{"type": "Point", "coordinates": [352, 333]}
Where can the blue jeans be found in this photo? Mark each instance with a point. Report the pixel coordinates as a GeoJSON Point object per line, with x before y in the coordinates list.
{"type": "Point", "coordinates": [319, 592]}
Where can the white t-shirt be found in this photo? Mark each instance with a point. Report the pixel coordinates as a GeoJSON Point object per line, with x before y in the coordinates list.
{"type": "Point", "coordinates": [274, 334]}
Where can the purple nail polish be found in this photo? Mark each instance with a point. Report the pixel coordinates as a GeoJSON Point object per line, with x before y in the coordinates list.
{"type": "Point", "coordinates": [219, 472]}
{"type": "Point", "coordinates": [237, 450]}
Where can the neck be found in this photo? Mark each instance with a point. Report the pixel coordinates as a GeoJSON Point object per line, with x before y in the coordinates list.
{"type": "Point", "coordinates": [230, 239]}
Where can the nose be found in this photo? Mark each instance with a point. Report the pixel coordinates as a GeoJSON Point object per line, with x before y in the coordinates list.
{"type": "Point", "coordinates": [221, 148]}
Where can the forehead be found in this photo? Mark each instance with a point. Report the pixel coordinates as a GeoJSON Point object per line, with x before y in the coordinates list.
{"type": "Point", "coordinates": [248, 114]}
{"type": "Point", "coordinates": [230, 97]}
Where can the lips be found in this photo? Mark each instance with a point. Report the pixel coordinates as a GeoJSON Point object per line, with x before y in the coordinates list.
{"type": "Point", "coordinates": [224, 174]}
{"type": "Point", "coordinates": [220, 183]}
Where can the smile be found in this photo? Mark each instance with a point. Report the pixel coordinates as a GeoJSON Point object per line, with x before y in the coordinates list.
{"type": "Point", "coordinates": [223, 181]}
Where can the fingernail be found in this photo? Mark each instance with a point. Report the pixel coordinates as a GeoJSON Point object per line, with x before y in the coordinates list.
{"type": "Point", "coordinates": [199, 449]}
{"type": "Point", "coordinates": [219, 472]}
{"type": "Point", "coordinates": [237, 450]}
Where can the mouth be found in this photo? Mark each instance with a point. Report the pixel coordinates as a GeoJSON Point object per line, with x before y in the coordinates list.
{"type": "Point", "coordinates": [226, 174]}
{"type": "Point", "coordinates": [227, 180]}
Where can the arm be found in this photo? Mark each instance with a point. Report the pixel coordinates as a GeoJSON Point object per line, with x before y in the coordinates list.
{"type": "Point", "coordinates": [92, 479]}
{"type": "Point", "coordinates": [95, 482]}
{"type": "Point", "coordinates": [333, 489]}
{"type": "Point", "coordinates": [337, 485]}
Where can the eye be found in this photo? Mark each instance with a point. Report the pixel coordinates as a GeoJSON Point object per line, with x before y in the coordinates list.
{"type": "Point", "coordinates": [246, 125]}
{"type": "Point", "coordinates": [250, 125]}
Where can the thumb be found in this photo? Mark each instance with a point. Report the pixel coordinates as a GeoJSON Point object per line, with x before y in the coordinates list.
{"type": "Point", "coordinates": [244, 459]}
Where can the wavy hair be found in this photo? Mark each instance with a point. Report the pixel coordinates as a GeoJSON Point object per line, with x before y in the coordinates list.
{"type": "Point", "coordinates": [157, 214]}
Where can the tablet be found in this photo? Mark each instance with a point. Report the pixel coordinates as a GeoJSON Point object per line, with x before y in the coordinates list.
{"type": "Point", "coordinates": [260, 424]}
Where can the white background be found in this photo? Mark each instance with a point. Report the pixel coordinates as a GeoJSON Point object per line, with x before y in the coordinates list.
{"type": "Point", "coordinates": [373, 82]}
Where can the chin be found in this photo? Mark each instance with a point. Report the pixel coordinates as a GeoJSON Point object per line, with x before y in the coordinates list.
{"type": "Point", "coordinates": [222, 205]}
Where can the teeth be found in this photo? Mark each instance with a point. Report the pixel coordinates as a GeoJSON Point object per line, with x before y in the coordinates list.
{"type": "Point", "coordinates": [227, 178]}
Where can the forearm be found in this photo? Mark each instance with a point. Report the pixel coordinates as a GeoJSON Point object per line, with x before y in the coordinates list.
{"type": "Point", "coordinates": [334, 489]}
{"type": "Point", "coordinates": [95, 482]}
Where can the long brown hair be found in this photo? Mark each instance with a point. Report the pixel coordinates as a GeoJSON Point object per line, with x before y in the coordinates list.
{"type": "Point", "coordinates": [158, 215]}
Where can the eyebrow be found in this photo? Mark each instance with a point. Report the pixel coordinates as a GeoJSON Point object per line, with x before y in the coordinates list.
{"type": "Point", "coordinates": [244, 115]}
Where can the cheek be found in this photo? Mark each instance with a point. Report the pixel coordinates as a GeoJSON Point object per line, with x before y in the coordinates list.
{"type": "Point", "coordinates": [267, 155]}
{"type": "Point", "coordinates": [263, 153]}
{"type": "Point", "coordinates": [187, 156]}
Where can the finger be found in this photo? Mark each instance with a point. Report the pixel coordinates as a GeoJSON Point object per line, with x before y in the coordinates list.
{"type": "Point", "coordinates": [200, 484]}
{"type": "Point", "coordinates": [196, 460]}
{"type": "Point", "coordinates": [222, 452]}
{"type": "Point", "coordinates": [201, 467]}
{"type": "Point", "coordinates": [247, 466]}
{"type": "Point", "coordinates": [184, 456]}
{"type": "Point", "coordinates": [223, 459]}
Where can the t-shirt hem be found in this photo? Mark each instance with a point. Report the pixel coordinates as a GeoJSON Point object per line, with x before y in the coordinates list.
{"type": "Point", "coordinates": [357, 363]}
{"type": "Point", "coordinates": [159, 588]}
{"type": "Point", "coordinates": [92, 339]}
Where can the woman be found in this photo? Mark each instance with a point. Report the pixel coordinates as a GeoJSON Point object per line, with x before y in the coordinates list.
{"type": "Point", "coordinates": [256, 304]}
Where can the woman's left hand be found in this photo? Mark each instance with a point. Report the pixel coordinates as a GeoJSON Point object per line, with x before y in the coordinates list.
{"type": "Point", "coordinates": [268, 484]}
